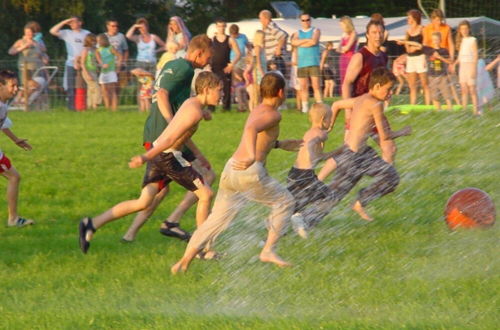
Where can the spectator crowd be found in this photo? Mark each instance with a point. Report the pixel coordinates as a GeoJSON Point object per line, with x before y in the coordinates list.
{"type": "Point", "coordinates": [97, 66]}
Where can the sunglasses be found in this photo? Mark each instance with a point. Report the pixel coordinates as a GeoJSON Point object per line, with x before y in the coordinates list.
{"type": "Point", "coordinates": [306, 20]}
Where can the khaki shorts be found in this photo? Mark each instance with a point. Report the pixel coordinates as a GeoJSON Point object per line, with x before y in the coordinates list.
{"type": "Point", "coordinates": [439, 85]}
{"type": "Point", "coordinates": [308, 71]}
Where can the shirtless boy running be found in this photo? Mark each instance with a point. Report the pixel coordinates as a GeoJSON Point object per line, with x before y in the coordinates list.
{"type": "Point", "coordinates": [165, 162]}
{"type": "Point", "coordinates": [302, 181]}
{"type": "Point", "coordinates": [245, 178]}
{"type": "Point", "coordinates": [356, 158]}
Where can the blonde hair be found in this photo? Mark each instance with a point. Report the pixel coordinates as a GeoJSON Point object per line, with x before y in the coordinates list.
{"type": "Point", "coordinates": [318, 112]}
{"type": "Point", "coordinates": [348, 23]}
{"type": "Point", "coordinates": [103, 40]}
{"type": "Point", "coordinates": [258, 38]}
{"type": "Point", "coordinates": [172, 46]}
{"type": "Point", "coordinates": [206, 79]}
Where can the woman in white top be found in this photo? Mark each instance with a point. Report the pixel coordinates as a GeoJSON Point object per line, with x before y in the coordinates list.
{"type": "Point", "coordinates": [467, 61]}
{"type": "Point", "coordinates": [146, 44]}
{"type": "Point", "coordinates": [178, 32]}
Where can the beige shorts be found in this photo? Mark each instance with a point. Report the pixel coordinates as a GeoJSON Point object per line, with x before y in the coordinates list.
{"type": "Point", "coordinates": [439, 85]}
{"type": "Point", "coordinates": [416, 64]}
{"type": "Point", "coordinates": [467, 74]}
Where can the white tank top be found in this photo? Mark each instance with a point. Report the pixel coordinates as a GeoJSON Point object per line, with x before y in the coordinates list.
{"type": "Point", "coordinates": [146, 51]}
{"type": "Point", "coordinates": [466, 53]}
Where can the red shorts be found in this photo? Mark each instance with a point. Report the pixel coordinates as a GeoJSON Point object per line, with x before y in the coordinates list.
{"type": "Point", "coordinates": [5, 164]}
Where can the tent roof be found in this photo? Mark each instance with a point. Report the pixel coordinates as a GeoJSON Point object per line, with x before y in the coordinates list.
{"type": "Point", "coordinates": [331, 31]}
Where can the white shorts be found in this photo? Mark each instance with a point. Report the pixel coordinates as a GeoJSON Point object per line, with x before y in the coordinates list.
{"type": "Point", "coordinates": [294, 81]}
{"type": "Point", "coordinates": [416, 64]}
{"type": "Point", "coordinates": [108, 77]}
{"type": "Point", "coordinates": [467, 74]}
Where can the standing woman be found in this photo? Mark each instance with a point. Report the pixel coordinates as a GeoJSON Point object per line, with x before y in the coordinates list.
{"type": "Point", "coordinates": [146, 45]}
{"type": "Point", "coordinates": [416, 63]}
{"type": "Point", "coordinates": [467, 61]}
{"type": "Point", "coordinates": [30, 53]}
{"type": "Point", "coordinates": [347, 46]}
{"type": "Point", "coordinates": [178, 32]}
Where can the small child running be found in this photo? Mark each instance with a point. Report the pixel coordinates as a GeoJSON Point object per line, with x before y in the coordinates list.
{"type": "Point", "coordinates": [8, 89]}
{"type": "Point", "coordinates": [165, 162]}
{"type": "Point", "coordinates": [302, 181]}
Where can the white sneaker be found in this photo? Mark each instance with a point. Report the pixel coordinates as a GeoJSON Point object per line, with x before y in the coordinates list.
{"type": "Point", "coordinates": [298, 225]}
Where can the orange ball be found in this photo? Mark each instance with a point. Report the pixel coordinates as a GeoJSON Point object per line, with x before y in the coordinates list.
{"type": "Point", "coordinates": [469, 208]}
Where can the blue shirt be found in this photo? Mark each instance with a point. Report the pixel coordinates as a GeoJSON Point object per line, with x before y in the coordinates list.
{"type": "Point", "coordinates": [308, 56]}
{"type": "Point", "coordinates": [242, 42]}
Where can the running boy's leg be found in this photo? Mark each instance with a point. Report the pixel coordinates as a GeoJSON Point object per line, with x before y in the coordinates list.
{"type": "Point", "coordinates": [226, 206]}
{"type": "Point", "coordinates": [386, 181]}
{"type": "Point", "coordinates": [14, 179]}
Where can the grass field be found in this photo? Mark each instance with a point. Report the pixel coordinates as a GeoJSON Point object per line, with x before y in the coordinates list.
{"type": "Point", "coordinates": [405, 270]}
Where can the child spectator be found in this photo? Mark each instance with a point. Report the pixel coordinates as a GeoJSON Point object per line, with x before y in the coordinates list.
{"type": "Point", "coordinates": [250, 85]}
{"type": "Point", "coordinates": [88, 63]}
{"type": "Point", "coordinates": [495, 65]}
{"type": "Point", "coordinates": [108, 58]}
{"type": "Point", "coordinates": [146, 79]}
{"type": "Point", "coordinates": [169, 55]}
{"type": "Point", "coordinates": [467, 60]}
{"type": "Point", "coordinates": [399, 70]}
{"type": "Point", "coordinates": [438, 81]}
{"type": "Point", "coordinates": [327, 67]}
{"type": "Point", "coordinates": [294, 79]}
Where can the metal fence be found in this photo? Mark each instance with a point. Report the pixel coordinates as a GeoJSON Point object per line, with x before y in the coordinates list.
{"type": "Point", "coordinates": [50, 92]}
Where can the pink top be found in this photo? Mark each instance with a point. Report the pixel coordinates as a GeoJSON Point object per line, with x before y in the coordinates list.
{"type": "Point", "coordinates": [351, 50]}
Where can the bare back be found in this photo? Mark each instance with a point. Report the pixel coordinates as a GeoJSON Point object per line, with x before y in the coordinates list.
{"type": "Point", "coordinates": [362, 121]}
{"type": "Point", "coordinates": [310, 152]}
{"type": "Point", "coordinates": [260, 133]}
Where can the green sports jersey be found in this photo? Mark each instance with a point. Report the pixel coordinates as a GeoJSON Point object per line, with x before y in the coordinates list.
{"type": "Point", "coordinates": [175, 77]}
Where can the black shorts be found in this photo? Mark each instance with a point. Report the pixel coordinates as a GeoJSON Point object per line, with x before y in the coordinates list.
{"type": "Point", "coordinates": [328, 74]}
{"type": "Point", "coordinates": [168, 167]}
{"type": "Point", "coordinates": [306, 188]}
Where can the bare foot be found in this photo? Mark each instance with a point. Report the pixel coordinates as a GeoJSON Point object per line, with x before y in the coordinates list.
{"type": "Point", "coordinates": [208, 255]}
{"type": "Point", "coordinates": [273, 258]}
{"type": "Point", "coordinates": [177, 268]}
{"type": "Point", "coordinates": [358, 208]}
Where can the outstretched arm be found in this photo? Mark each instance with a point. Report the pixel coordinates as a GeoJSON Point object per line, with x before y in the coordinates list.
{"type": "Point", "coordinates": [21, 143]}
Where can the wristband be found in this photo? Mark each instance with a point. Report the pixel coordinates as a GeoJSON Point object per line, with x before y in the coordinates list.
{"type": "Point", "coordinates": [144, 159]}
{"type": "Point", "coordinates": [276, 144]}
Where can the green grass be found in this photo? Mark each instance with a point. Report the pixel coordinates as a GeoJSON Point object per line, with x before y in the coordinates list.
{"type": "Point", "coordinates": [405, 270]}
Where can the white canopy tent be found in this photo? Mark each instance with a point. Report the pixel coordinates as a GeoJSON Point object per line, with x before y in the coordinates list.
{"type": "Point", "coordinates": [331, 31]}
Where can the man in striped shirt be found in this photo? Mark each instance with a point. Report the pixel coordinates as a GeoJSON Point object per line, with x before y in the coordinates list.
{"type": "Point", "coordinates": [275, 40]}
